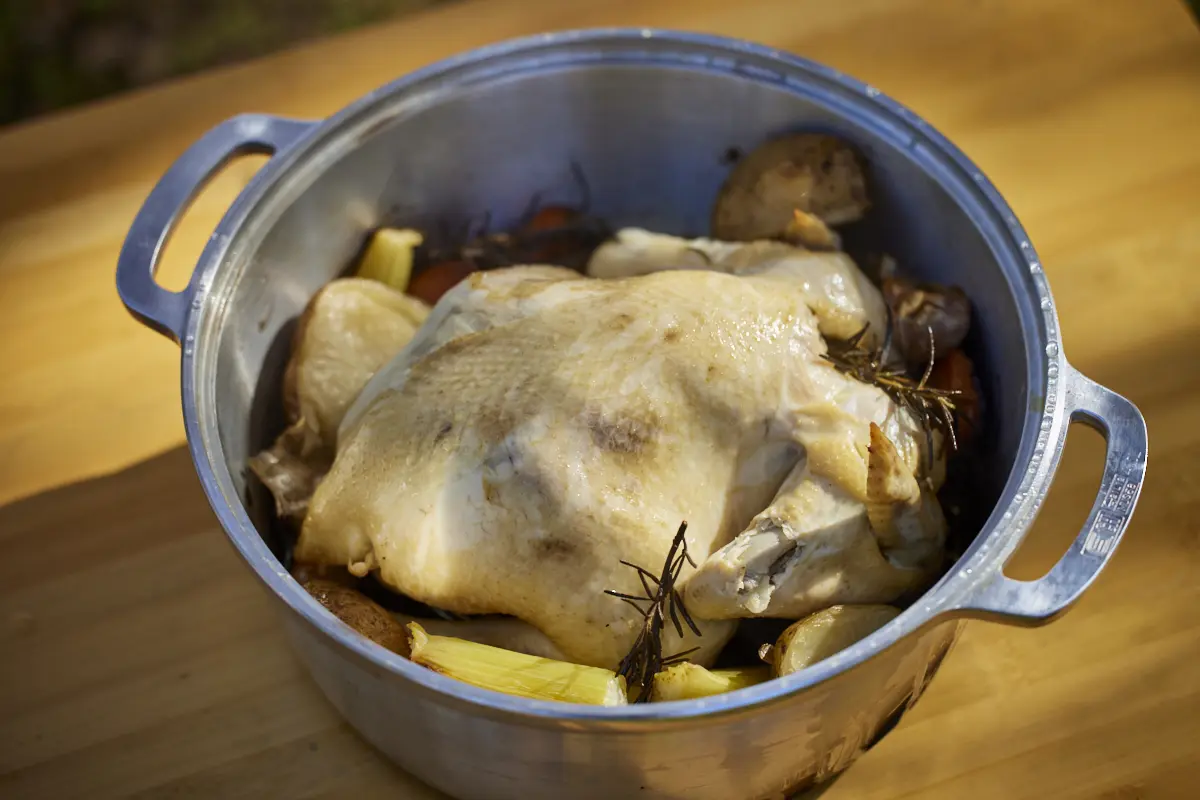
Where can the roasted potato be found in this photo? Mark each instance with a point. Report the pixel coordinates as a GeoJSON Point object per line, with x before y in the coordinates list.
{"type": "Point", "coordinates": [687, 681]}
{"type": "Point", "coordinates": [820, 635]}
{"type": "Point", "coordinates": [361, 613]}
{"type": "Point", "coordinates": [814, 173]}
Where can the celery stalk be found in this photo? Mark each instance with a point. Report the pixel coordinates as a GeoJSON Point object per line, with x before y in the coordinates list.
{"type": "Point", "coordinates": [389, 257]}
{"type": "Point", "coordinates": [514, 673]}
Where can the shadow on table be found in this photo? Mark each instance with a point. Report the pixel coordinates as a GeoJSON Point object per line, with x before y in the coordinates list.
{"type": "Point", "coordinates": [141, 656]}
{"type": "Point", "coordinates": [76, 526]}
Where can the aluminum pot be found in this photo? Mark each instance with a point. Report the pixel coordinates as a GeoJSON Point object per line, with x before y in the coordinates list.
{"type": "Point", "coordinates": [649, 118]}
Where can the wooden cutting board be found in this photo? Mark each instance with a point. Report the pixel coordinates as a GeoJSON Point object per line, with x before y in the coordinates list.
{"type": "Point", "coordinates": [139, 658]}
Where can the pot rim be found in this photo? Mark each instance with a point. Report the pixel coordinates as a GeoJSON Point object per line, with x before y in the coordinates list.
{"type": "Point", "coordinates": [1041, 438]}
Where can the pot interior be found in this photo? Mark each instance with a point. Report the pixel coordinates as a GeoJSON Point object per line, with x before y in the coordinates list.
{"type": "Point", "coordinates": [653, 128]}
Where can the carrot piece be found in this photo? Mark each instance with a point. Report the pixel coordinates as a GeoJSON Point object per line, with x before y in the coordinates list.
{"type": "Point", "coordinates": [954, 372]}
{"type": "Point", "coordinates": [430, 284]}
{"type": "Point", "coordinates": [551, 217]}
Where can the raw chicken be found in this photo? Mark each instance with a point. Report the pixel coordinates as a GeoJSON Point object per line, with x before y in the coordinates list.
{"type": "Point", "coordinates": [542, 427]}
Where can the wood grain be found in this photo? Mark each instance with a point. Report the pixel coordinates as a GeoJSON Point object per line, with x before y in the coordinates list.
{"type": "Point", "coordinates": [139, 658]}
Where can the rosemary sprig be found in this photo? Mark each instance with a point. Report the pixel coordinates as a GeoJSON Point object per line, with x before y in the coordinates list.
{"type": "Point", "coordinates": [932, 408]}
{"type": "Point", "coordinates": [660, 602]}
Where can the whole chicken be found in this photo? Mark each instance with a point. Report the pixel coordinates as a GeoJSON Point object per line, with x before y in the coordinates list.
{"type": "Point", "coordinates": [542, 427]}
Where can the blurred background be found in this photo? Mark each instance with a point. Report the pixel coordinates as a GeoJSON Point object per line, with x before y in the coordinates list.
{"type": "Point", "coordinates": [56, 53]}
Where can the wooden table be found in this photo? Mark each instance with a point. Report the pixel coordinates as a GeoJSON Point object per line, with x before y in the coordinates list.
{"type": "Point", "coordinates": [138, 657]}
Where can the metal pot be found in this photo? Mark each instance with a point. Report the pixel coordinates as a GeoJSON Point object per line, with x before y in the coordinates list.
{"type": "Point", "coordinates": [649, 118]}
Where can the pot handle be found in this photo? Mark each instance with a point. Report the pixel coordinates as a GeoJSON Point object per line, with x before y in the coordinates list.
{"type": "Point", "coordinates": [162, 310]}
{"type": "Point", "coordinates": [1037, 602]}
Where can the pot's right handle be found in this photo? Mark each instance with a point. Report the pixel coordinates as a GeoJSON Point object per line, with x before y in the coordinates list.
{"type": "Point", "coordinates": [1037, 602]}
{"type": "Point", "coordinates": [162, 310]}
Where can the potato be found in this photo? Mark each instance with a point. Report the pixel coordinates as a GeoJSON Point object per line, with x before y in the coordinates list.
{"type": "Point", "coordinates": [687, 681]}
{"type": "Point", "coordinates": [361, 613]}
{"type": "Point", "coordinates": [820, 635]}
{"type": "Point", "coordinates": [814, 173]}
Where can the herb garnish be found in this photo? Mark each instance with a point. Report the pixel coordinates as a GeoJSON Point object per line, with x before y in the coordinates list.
{"type": "Point", "coordinates": [660, 602]}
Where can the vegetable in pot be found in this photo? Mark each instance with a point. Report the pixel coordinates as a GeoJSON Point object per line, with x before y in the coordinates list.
{"type": "Point", "coordinates": [389, 257]}
{"type": "Point", "coordinates": [688, 681]}
{"type": "Point", "coordinates": [514, 673]}
{"type": "Point", "coordinates": [388, 629]}
{"type": "Point", "coordinates": [918, 308]}
{"type": "Point", "coordinates": [360, 613]}
{"type": "Point", "coordinates": [820, 635]}
{"type": "Point", "coordinates": [508, 633]}
{"type": "Point", "coordinates": [954, 372]}
{"type": "Point", "coordinates": [814, 173]}
{"type": "Point", "coordinates": [807, 230]}
{"type": "Point", "coordinates": [431, 283]}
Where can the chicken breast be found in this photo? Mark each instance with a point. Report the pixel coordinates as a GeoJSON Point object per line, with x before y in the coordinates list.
{"type": "Point", "coordinates": [543, 427]}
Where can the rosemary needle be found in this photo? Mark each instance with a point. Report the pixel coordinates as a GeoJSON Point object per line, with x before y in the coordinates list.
{"type": "Point", "coordinates": [661, 602]}
{"type": "Point", "coordinates": [932, 408]}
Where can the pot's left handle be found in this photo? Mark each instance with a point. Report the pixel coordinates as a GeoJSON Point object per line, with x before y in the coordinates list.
{"type": "Point", "coordinates": [162, 310]}
{"type": "Point", "coordinates": [1036, 602]}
